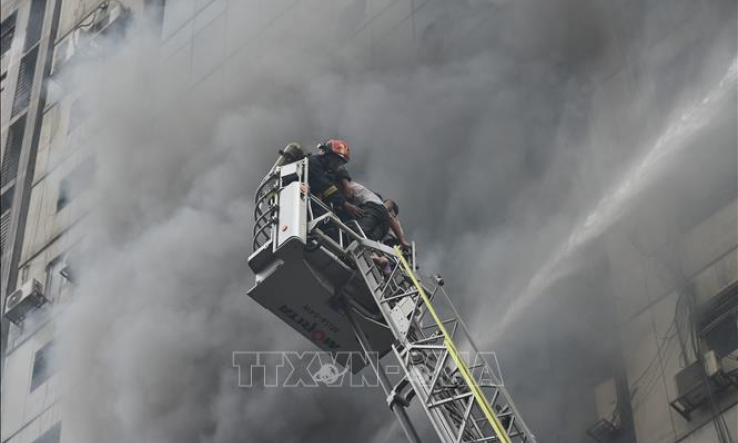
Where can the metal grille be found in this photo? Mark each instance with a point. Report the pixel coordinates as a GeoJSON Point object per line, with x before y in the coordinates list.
{"type": "Point", "coordinates": [25, 82]}
{"type": "Point", "coordinates": [6, 205]}
{"type": "Point", "coordinates": [4, 230]}
{"type": "Point", "coordinates": [35, 23]}
{"type": "Point", "coordinates": [11, 156]}
{"type": "Point", "coordinates": [7, 31]}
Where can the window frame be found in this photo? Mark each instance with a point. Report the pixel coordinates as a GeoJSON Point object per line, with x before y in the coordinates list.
{"type": "Point", "coordinates": [42, 370]}
{"type": "Point", "coordinates": [7, 33]}
{"type": "Point", "coordinates": [720, 313]}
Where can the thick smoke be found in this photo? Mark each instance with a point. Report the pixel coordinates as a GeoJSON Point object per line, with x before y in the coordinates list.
{"type": "Point", "coordinates": [485, 137]}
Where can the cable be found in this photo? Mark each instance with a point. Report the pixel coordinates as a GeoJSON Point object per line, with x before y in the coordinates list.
{"type": "Point", "coordinates": [653, 382]}
{"type": "Point", "coordinates": [653, 360]}
{"type": "Point", "coordinates": [683, 288]}
{"type": "Point", "coordinates": [721, 427]}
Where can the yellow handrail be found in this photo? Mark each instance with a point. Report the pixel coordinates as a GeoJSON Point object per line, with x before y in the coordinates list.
{"type": "Point", "coordinates": [449, 344]}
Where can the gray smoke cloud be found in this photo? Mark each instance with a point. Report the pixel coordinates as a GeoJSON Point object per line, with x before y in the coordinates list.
{"type": "Point", "coordinates": [491, 139]}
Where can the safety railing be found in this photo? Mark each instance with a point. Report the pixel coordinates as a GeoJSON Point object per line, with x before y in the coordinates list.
{"type": "Point", "coordinates": [266, 209]}
{"type": "Point", "coordinates": [323, 225]}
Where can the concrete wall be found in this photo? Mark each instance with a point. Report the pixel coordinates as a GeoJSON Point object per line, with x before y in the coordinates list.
{"type": "Point", "coordinates": [50, 235]}
{"type": "Point", "coordinates": [652, 353]}
{"type": "Point", "coordinates": [28, 414]}
{"type": "Point", "coordinates": [685, 228]}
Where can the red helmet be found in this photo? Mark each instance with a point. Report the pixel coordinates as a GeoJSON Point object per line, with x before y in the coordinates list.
{"type": "Point", "coordinates": [336, 146]}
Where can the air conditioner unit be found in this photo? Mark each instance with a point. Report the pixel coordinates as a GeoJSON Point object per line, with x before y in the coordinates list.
{"type": "Point", "coordinates": [695, 382]}
{"type": "Point", "coordinates": [23, 300]}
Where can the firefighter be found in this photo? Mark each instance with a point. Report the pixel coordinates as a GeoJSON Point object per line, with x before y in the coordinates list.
{"type": "Point", "coordinates": [327, 171]}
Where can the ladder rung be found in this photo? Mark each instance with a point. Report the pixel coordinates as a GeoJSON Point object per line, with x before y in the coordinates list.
{"type": "Point", "coordinates": [430, 339]}
{"type": "Point", "coordinates": [449, 400]}
{"type": "Point", "coordinates": [445, 322]}
{"type": "Point", "coordinates": [395, 297]}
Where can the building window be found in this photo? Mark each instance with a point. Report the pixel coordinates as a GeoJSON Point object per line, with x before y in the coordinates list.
{"type": "Point", "coordinates": [723, 337]}
{"type": "Point", "coordinates": [55, 276]}
{"type": "Point", "coordinates": [11, 156]}
{"type": "Point", "coordinates": [53, 435]}
{"type": "Point", "coordinates": [35, 23]}
{"type": "Point", "coordinates": [7, 31]}
{"type": "Point", "coordinates": [75, 183]}
{"type": "Point", "coordinates": [719, 322]}
{"type": "Point", "coordinates": [25, 82]}
{"type": "Point", "coordinates": [6, 205]}
{"type": "Point", "coordinates": [42, 367]}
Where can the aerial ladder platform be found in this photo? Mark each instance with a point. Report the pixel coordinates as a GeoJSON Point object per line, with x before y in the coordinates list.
{"type": "Point", "coordinates": [317, 274]}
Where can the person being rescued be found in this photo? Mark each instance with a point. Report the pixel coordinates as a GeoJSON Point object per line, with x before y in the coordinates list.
{"type": "Point", "coordinates": [397, 236]}
{"type": "Point", "coordinates": [376, 217]}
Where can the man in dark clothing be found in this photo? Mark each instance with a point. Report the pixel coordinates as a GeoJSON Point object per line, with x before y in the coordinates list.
{"type": "Point", "coordinates": [397, 235]}
{"type": "Point", "coordinates": [377, 216]}
{"type": "Point", "coordinates": [375, 219]}
{"type": "Point", "coordinates": [326, 171]}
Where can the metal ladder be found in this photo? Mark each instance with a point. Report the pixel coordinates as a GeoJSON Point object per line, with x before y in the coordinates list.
{"type": "Point", "coordinates": [461, 394]}
{"type": "Point", "coordinates": [463, 397]}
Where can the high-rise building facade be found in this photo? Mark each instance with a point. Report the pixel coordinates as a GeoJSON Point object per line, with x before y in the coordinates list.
{"type": "Point", "coordinates": [667, 284]}
{"type": "Point", "coordinates": [46, 167]}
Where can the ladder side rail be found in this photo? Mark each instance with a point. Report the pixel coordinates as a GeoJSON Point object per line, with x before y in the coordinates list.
{"type": "Point", "coordinates": [458, 361]}
{"type": "Point", "coordinates": [413, 374]}
{"type": "Point", "coordinates": [509, 429]}
{"type": "Point", "coordinates": [439, 421]}
{"type": "Point", "coordinates": [518, 420]}
{"type": "Point", "coordinates": [450, 418]}
{"type": "Point", "coordinates": [459, 404]}
{"type": "Point", "coordinates": [452, 402]}
{"type": "Point", "coordinates": [468, 336]}
{"type": "Point", "coordinates": [417, 375]}
{"type": "Point", "coordinates": [448, 421]}
{"type": "Point", "coordinates": [516, 424]}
